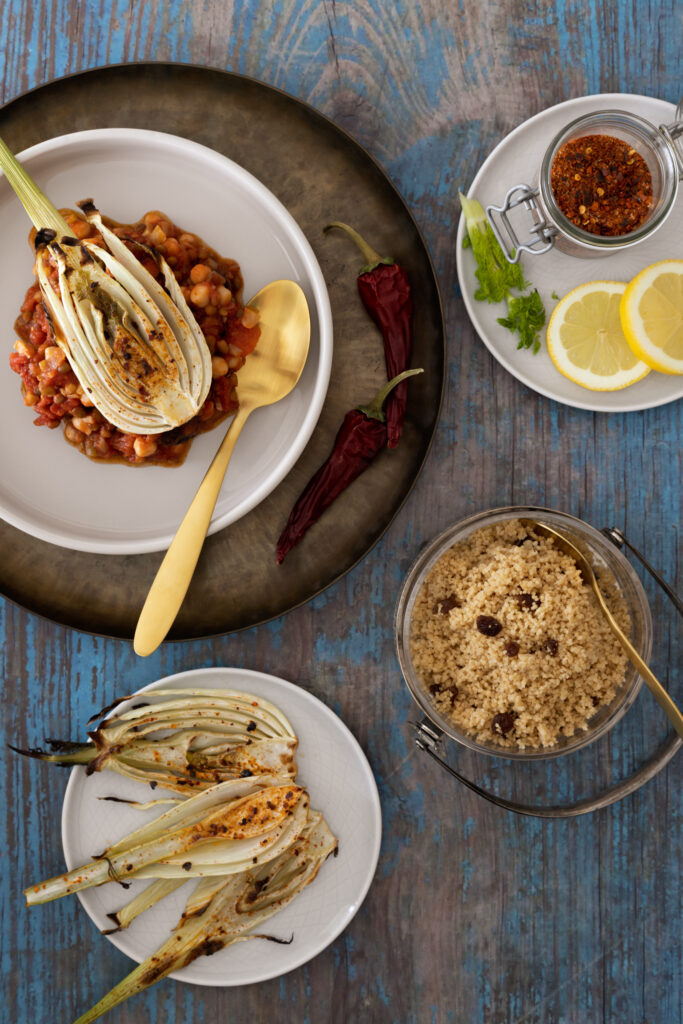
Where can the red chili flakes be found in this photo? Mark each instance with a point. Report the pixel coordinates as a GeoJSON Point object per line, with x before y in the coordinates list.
{"type": "Point", "coordinates": [601, 184]}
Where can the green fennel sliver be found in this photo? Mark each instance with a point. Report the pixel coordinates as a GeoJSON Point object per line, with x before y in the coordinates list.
{"type": "Point", "coordinates": [499, 279]}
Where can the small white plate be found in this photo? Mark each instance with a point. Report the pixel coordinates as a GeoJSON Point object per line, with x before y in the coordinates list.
{"type": "Point", "coordinates": [336, 773]}
{"type": "Point", "coordinates": [517, 159]}
{"type": "Point", "coordinates": [47, 487]}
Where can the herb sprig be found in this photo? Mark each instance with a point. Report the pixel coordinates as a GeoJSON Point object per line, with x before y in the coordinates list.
{"type": "Point", "coordinates": [526, 317]}
{"type": "Point", "coordinates": [499, 279]}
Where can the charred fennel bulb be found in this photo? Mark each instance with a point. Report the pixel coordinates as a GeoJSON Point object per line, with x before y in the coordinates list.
{"type": "Point", "coordinates": [188, 741]}
{"type": "Point", "coordinates": [250, 843]}
{"type": "Point", "coordinates": [133, 343]}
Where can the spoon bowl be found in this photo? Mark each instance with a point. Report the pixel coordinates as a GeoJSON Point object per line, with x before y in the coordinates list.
{"type": "Point", "coordinates": [277, 362]}
{"type": "Point", "coordinates": [585, 568]}
{"type": "Point", "coordinates": [269, 374]}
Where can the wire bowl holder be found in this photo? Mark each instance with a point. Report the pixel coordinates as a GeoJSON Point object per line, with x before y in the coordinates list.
{"type": "Point", "coordinates": [429, 736]}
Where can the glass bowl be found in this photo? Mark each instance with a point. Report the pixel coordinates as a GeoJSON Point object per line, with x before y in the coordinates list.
{"type": "Point", "coordinates": [602, 554]}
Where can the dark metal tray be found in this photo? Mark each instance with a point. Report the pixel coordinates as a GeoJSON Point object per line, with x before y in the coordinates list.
{"type": "Point", "coordinates": [320, 174]}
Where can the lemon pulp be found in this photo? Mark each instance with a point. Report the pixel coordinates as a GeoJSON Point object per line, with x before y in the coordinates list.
{"type": "Point", "coordinates": [652, 316]}
{"type": "Point", "coordinates": [586, 341]}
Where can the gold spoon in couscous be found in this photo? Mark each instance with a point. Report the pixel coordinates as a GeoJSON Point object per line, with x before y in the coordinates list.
{"type": "Point", "coordinates": [658, 692]}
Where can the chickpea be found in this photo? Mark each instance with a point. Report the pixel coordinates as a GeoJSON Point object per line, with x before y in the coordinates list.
{"type": "Point", "coordinates": [223, 296]}
{"type": "Point", "coordinates": [80, 228]}
{"type": "Point", "coordinates": [249, 317]}
{"type": "Point", "coordinates": [157, 236]}
{"type": "Point", "coordinates": [200, 294]}
{"type": "Point", "coordinates": [72, 435]}
{"type": "Point", "coordinates": [144, 446]}
{"type": "Point", "coordinates": [85, 424]}
{"type": "Point", "coordinates": [55, 358]}
{"type": "Point", "coordinates": [152, 218]}
{"type": "Point", "coordinates": [219, 367]}
{"type": "Point", "coordinates": [24, 348]}
{"type": "Point", "coordinates": [200, 272]}
{"type": "Point", "coordinates": [172, 247]}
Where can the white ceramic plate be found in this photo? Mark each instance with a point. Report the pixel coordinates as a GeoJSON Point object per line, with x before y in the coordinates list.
{"type": "Point", "coordinates": [517, 159]}
{"type": "Point", "coordinates": [47, 487]}
{"type": "Point", "coordinates": [338, 777]}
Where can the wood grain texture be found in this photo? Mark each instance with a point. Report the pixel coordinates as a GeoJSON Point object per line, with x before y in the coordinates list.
{"type": "Point", "coordinates": [475, 917]}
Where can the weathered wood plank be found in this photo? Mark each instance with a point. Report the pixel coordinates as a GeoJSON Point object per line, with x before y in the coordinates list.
{"type": "Point", "coordinates": [474, 916]}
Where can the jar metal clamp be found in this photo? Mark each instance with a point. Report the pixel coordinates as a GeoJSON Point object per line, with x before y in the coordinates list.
{"type": "Point", "coordinates": [660, 147]}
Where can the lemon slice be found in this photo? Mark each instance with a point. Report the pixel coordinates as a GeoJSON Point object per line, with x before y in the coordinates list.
{"type": "Point", "coordinates": [586, 341]}
{"type": "Point", "coordinates": [652, 316]}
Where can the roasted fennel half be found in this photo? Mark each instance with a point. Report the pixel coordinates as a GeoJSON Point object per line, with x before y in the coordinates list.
{"type": "Point", "coordinates": [253, 844]}
{"type": "Point", "coordinates": [223, 911]}
{"type": "Point", "coordinates": [132, 341]}
{"type": "Point", "coordinates": [185, 741]}
{"type": "Point", "coordinates": [242, 830]}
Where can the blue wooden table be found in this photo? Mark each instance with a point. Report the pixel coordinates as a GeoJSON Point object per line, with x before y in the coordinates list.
{"type": "Point", "coordinates": [475, 916]}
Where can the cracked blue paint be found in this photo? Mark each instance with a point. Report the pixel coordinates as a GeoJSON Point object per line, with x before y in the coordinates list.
{"type": "Point", "coordinates": [601, 966]}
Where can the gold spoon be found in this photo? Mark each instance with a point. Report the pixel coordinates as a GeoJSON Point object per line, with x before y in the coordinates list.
{"type": "Point", "coordinates": [268, 375]}
{"type": "Point", "coordinates": [658, 692]}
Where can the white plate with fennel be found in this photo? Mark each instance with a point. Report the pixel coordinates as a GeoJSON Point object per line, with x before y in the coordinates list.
{"type": "Point", "coordinates": [331, 765]}
{"type": "Point", "coordinates": [515, 160]}
{"type": "Point", "coordinates": [49, 488]}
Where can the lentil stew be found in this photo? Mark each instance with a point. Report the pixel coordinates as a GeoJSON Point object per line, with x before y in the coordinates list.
{"type": "Point", "coordinates": [211, 284]}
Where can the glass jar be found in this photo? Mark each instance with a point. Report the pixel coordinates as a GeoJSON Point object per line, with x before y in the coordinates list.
{"type": "Point", "coordinates": [603, 555]}
{"type": "Point", "coordinates": [662, 150]}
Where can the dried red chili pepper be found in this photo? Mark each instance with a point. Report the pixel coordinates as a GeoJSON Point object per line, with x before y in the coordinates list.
{"type": "Point", "coordinates": [361, 437]}
{"type": "Point", "coordinates": [385, 292]}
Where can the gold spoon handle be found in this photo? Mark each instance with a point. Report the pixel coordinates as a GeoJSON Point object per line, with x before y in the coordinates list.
{"type": "Point", "coordinates": [177, 569]}
{"type": "Point", "coordinates": [657, 690]}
